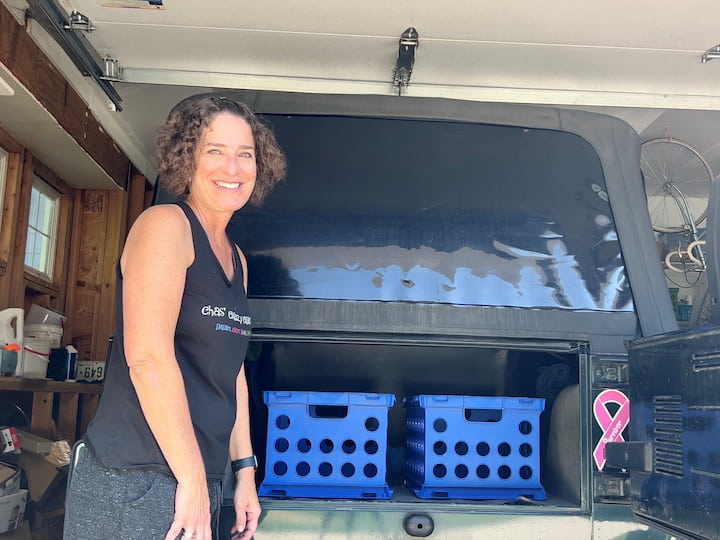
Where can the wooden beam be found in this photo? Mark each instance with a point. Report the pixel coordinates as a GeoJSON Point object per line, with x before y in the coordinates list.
{"type": "Point", "coordinates": [92, 230]}
{"type": "Point", "coordinates": [37, 73]}
{"type": "Point", "coordinates": [16, 264]}
{"type": "Point", "coordinates": [9, 143]}
{"type": "Point", "coordinates": [41, 422]}
{"type": "Point", "coordinates": [114, 241]}
{"type": "Point", "coordinates": [71, 300]}
{"type": "Point", "coordinates": [100, 218]}
{"type": "Point", "coordinates": [68, 416]}
{"type": "Point", "coordinates": [136, 197]}
{"type": "Point", "coordinates": [8, 225]}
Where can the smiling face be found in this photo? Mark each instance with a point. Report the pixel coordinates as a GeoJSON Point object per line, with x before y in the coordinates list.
{"type": "Point", "coordinates": [225, 168]}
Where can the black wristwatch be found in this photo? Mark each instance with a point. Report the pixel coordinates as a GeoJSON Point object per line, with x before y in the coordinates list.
{"type": "Point", "coordinates": [243, 463]}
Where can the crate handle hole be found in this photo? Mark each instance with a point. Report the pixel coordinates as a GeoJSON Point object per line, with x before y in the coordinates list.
{"type": "Point", "coordinates": [483, 415]}
{"type": "Point", "coordinates": [328, 411]}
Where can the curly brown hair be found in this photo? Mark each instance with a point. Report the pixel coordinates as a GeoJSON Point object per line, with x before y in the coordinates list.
{"type": "Point", "coordinates": [178, 138]}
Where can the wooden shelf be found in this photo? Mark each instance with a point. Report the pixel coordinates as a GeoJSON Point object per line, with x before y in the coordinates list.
{"type": "Point", "coordinates": [77, 405]}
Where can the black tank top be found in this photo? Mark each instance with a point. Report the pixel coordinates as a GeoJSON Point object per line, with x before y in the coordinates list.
{"type": "Point", "coordinates": [211, 339]}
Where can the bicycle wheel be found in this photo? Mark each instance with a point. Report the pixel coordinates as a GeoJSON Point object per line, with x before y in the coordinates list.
{"type": "Point", "coordinates": [677, 183]}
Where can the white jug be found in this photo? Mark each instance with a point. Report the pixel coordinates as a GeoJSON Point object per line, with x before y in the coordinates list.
{"type": "Point", "coordinates": [8, 334]}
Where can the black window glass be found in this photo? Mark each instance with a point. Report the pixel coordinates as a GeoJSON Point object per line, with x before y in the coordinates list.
{"type": "Point", "coordinates": [381, 209]}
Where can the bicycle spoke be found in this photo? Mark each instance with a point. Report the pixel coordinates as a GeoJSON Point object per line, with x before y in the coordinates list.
{"type": "Point", "coordinates": [677, 183]}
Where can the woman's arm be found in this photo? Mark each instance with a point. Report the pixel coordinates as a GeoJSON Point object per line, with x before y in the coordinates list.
{"type": "Point", "coordinates": [245, 501]}
{"type": "Point", "coordinates": [157, 253]}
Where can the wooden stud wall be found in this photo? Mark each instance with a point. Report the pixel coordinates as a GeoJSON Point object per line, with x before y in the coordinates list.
{"type": "Point", "coordinates": [92, 228]}
{"type": "Point", "coordinates": [93, 223]}
{"type": "Point", "coordinates": [101, 220]}
{"type": "Point", "coordinates": [11, 208]}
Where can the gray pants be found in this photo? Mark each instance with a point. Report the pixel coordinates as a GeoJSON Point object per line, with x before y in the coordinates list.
{"type": "Point", "coordinates": [132, 504]}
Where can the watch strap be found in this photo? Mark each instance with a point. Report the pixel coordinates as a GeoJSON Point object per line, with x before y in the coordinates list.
{"type": "Point", "coordinates": [237, 464]}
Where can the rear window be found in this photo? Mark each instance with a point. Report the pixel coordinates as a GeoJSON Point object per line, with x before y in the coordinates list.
{"type": "Point", "coordinates": [399, 210]}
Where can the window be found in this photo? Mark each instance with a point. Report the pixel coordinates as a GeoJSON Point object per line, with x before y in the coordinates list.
{"type": "Point", "coordinates": [481, 215]}
{"type": "Point", "coordinates": [42, 229]}
{"type": "Point", "coordinates": [3, 175]}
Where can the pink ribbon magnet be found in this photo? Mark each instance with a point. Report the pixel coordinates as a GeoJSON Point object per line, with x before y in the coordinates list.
{"type": "Point", "coordinates": [612, 425]}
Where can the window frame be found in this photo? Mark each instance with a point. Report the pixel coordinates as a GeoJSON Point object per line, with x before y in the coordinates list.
{"type": "Point", "coordinates": [55, 197]}
{"type": "Point", "coordinates": [4, 161]}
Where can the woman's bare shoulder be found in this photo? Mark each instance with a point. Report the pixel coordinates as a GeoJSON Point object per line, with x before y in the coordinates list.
{"type": "Point", "coordinates": [162, 213]}
{"type": "Point", "coordinates": [163, 220]}
{"type": "Point", "coordinates": [162, 230]}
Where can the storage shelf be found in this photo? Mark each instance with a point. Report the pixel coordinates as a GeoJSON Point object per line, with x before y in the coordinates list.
{"type": "Point", "coordinates": [44, 385]}
{"type": "Point", "coordinates": [77, 404]}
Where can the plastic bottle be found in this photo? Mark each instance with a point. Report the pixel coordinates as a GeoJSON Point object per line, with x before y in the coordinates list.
{"type": "Point", "coordinates": [8, 334]}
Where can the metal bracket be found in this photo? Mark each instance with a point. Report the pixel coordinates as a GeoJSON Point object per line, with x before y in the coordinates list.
{"type": "Point", "coordinates": [409, 41]}
{"type": "Point", "coordinates": [52, 18]}
{"type": "Point", "coordinates": [78, 21]}
{"type": "Point", "coordinates": [710, 54]}
{"type": "Point", "coordinates": [112, 70]}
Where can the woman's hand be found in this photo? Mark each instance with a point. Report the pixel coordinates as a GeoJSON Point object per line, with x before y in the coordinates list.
{"type": "Point", "coordinates": [192, 513]}
{"type": "Point", "coordinates": [247, 506]}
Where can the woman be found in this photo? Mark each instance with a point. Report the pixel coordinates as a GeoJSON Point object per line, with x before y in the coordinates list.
{"type": "Point", "coordinates": [175, 401]}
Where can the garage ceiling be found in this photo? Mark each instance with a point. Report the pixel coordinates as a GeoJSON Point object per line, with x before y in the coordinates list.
{"type": "Point", "coordinates": [637, 60]}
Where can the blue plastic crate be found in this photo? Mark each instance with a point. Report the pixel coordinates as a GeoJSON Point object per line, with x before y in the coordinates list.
{"type": "Point", "coordinates": [472, 447]}
{"type": "Point", "coordinates": [326, 445]}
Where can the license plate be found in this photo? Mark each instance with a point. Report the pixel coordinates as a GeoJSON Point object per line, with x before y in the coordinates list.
{"type": "Point", "coordinates": [90, 371]}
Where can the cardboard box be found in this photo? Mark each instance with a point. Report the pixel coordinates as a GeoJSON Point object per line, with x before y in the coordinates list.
{"type": "Point", "coordinates": [34, 443]}
{"type": "Point", "coordinates": [49, 519]}
{"type": "Point", "coordinates": [9, 479]}
{"type": "Point", "coordinates": [12, 510]}
{"type": "Point", "coordinates": [9, 441]}
{"type": "Point", "coordinates": [21, 533]}
{"type": "Point", "coordinates": [43, 477]}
